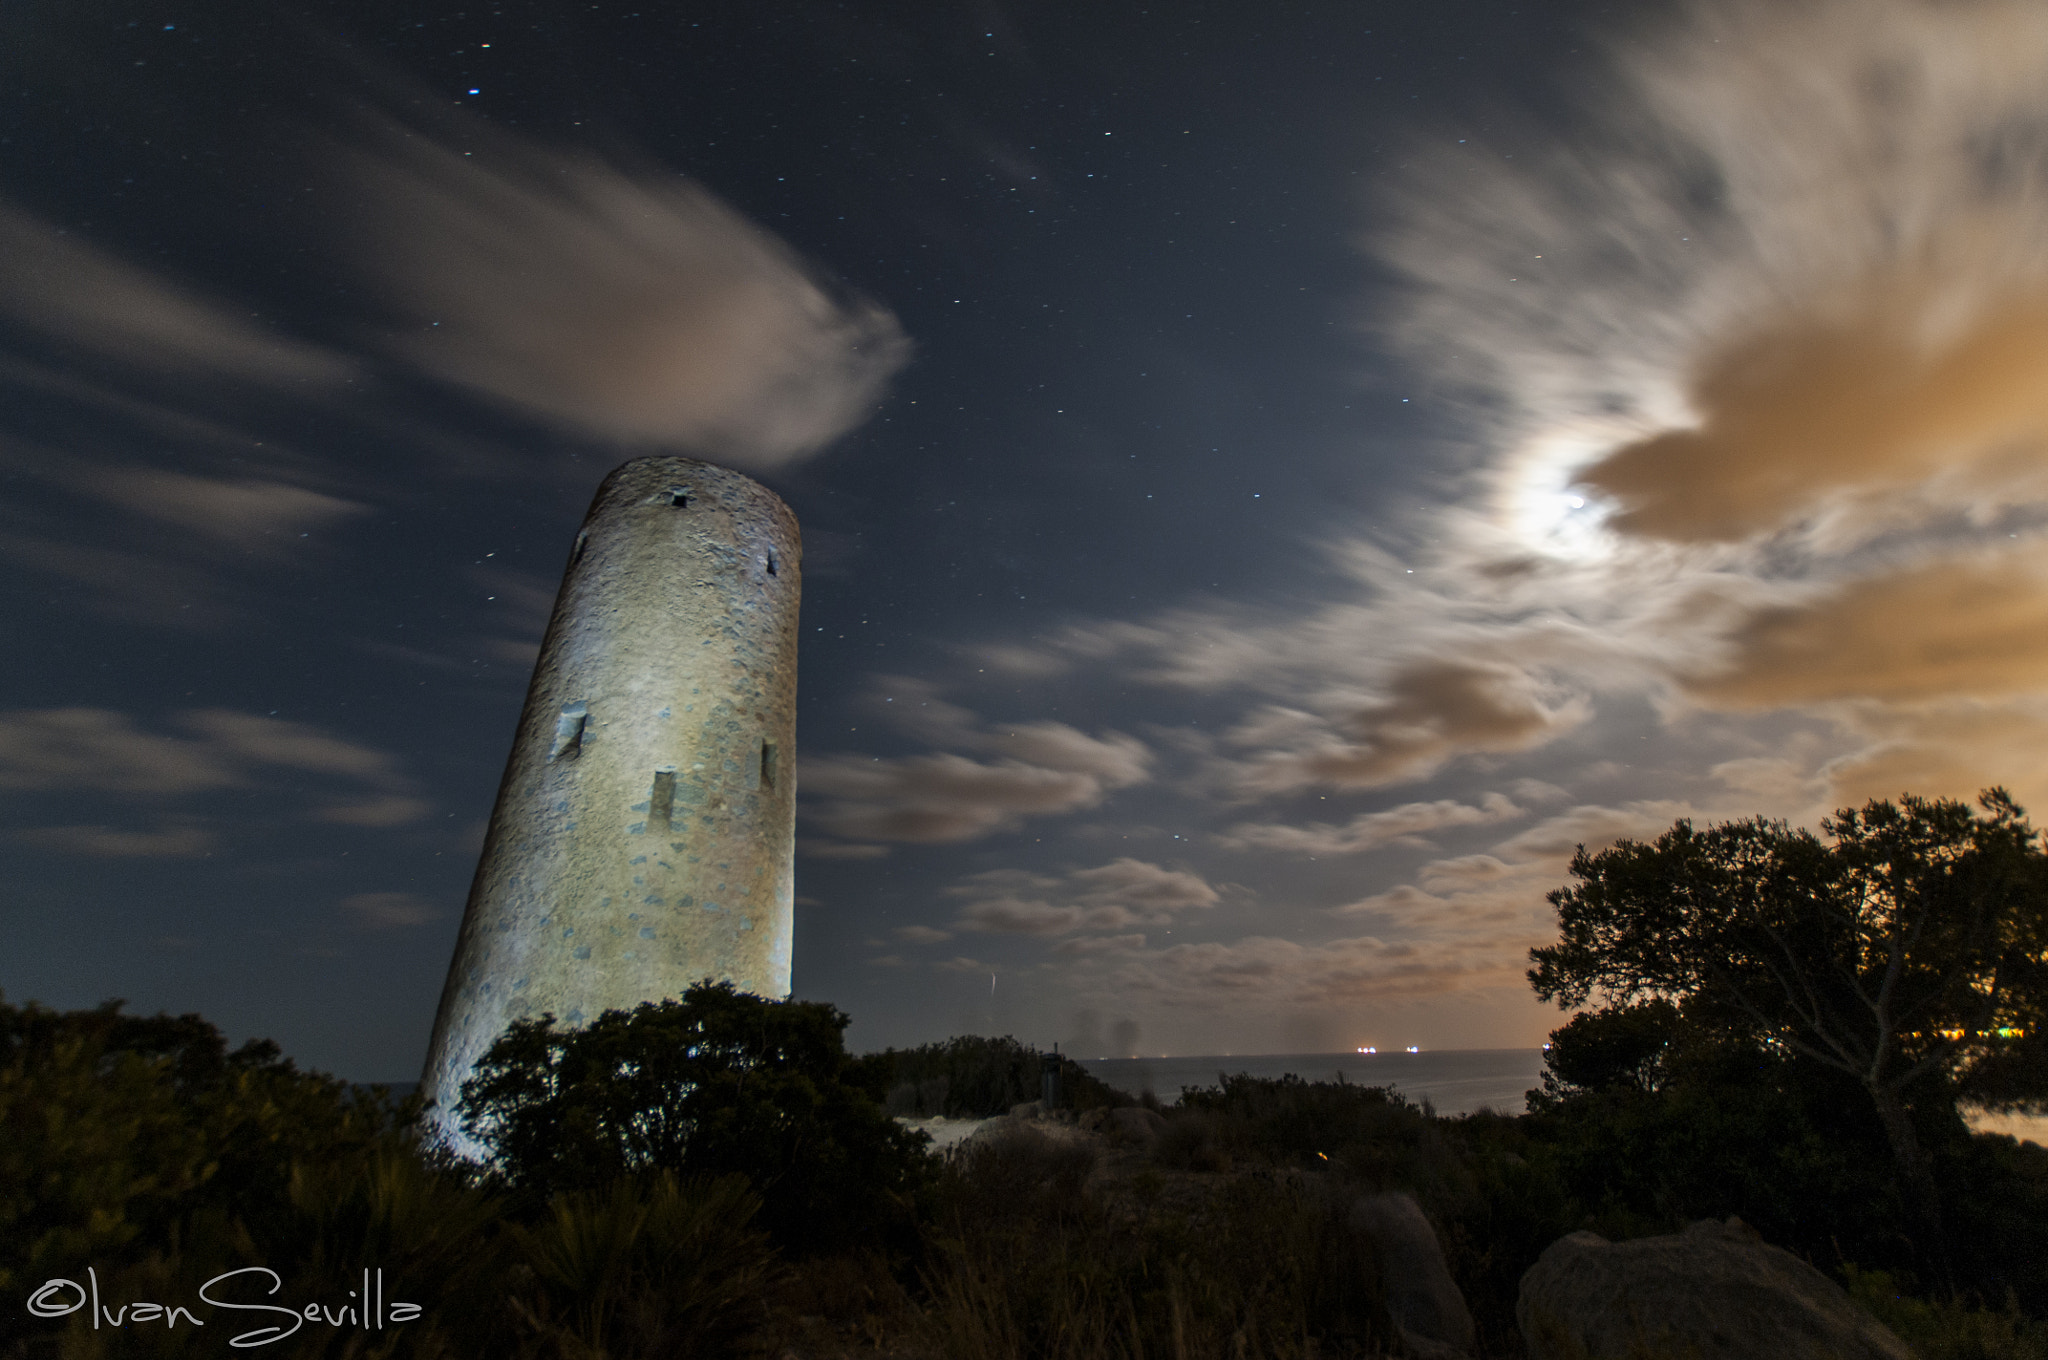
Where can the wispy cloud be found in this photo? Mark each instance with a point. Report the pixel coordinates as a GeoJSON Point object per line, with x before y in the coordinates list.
{"type": "Point", "coordinates": [1753, 360]}
{"type": "Point", "coordinates": [632, 304]}
{"type": "Point", "coordinates": [1044, 768]}
{"type": "Point", "coordinates": [68, 750]}
{"type": "Point", "coordinates": [1124, 892]}
{"type": "Point", "coordinates": [1406, 824]}
{"type": "Point", "coordinates": [77, 292]}
{"type": "Point", "coordinates": [174, 842]}
{"type": "Point", "coordinates": [389, 910]}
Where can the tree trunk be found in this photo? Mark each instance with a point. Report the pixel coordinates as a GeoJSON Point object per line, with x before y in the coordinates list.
{"type": "Point", "coordinates": [1916, 1179]}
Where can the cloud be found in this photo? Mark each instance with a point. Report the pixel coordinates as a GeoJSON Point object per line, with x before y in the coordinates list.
{"type": "Point", "coordinates": [239, 509]}
{"type": "Point", "coordinates": [936, 798]}
{"type": "Point", "coordinates": [1020, 916]}
{"type": "Point", "coordinates": [392, 810]}
{"type": "Point", "coordinates": [1433, 712]}
{"type": "Point", "coordinates": [1142, 887]}
{"type": "Point", "coordinates": [389, 910]}
{"type": "Point", "coordinates": [136, 588]}
{"type": "Point", "coordinates": [273, 741]}
{"type": "Point", "coordinates": [1792, 255]}
{"type": "Point", "coordinates": [1971, 627]}
{"type": "Point", "coordinates": [1118, 761]}
{"type": "Point", "coordinates": [1820, 418]}
{"type": "Point", "coordinates": [1122, 893]}
{"type": "Point", "coordinates": [1403, 825]}
{"type": "Point", "coordinates": [812, 847]}
{"type": "Point", "coordinates": [99, 750]}
{"type": "Point", "coordinates": [1045, 768]}
{"type": "Point", "coordinates": [1095, 946]}
{"type": "Point", "coordinates": [631, 305]}
{"type": "Point", "coordinates": [78, 293]}
{"type": "Point", "coordinates": [922, 934]}
{"type": "Point", "coordinates": [1950, 750]}
{"type": "Point", "coordinates": [1263, 969]}
{"type": "Point", "coordinates": [182, 842]}
{"type": "Point", "coordinates": [1595, 826]}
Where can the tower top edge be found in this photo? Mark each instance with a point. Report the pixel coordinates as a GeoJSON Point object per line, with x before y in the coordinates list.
{"type": "Point", "coordinates": [688, 481]}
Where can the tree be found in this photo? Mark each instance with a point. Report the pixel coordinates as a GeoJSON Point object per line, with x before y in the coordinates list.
{"type": "Point", "coordinates": [1909, 951]}
{"type": "Point", "coordinates": [717, 1083]}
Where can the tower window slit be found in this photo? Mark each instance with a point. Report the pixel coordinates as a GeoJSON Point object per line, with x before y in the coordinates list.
{"type": "Point", "coordinates": [679, 497]}
{"type": "Point", "coordinates": [771, 564]}
{"type": "Point", "coordinates": [569, 731]}
{"type": "Point", "coordinates": [661, 801]}
{"type": "Point", "coordinates": [582, 542]}
{"type": "Point", "coordinates": [767, 764]}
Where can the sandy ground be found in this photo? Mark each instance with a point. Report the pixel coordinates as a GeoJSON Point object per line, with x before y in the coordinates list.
{"type": "Point", "coordinates": [947, 1134]}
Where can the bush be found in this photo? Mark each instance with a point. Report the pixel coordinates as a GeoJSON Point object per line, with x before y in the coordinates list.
{"type": "Point", "coordinates": [718, 1083]}
{"type": "Point", "coordinates": [971, 1077]}
{"type": "Point", "coordinates": [647, 1267]}
{"type": "Point", "coordinates": [1314, 1123]}
{"type": "Point", "coordinates": [1026, 1264]}
{"type": "Point", "coordinates": [122, 1137]}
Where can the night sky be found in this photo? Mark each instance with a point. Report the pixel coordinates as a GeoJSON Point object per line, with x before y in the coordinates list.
{"type": "Point", "coordinates": [1274, 476]}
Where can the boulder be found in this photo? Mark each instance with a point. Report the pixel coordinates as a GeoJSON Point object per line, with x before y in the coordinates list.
{"type": "Point", "coordinates": [1716, 1291]}
{"type": "Point", "coordinates": [1421, 1299]}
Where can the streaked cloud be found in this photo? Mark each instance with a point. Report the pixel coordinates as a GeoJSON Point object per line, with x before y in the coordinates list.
{"type": "Point", "coordinates": [633, 305]}
{"type": "Point", "coordinates": [1970, 626]}
{"type": "Point", "coordinates": [1124, 892]}
{"type": "Point", "coordinates": [1043, 768]}
{"type": "Point", "coordinates": [936, 798]}
{"type": "Point", "coordinates": [79, 293]}
{"type": "Point", "coordinates": [175, 842]}
{"type": "Point", "coordinates": [391, 810]}
{"type": "Point", "coordinates": [1406, 824]}
{"type": "Point", "coordinates": [101, 750]}
{"type": "Point", "coordinates": [389, 910]}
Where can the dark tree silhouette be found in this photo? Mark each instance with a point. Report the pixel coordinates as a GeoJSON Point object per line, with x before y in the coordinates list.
{"type": "Point", "coordinates": [720, 1082]}
{"type": "Point", "coordinates": [1909, 950]}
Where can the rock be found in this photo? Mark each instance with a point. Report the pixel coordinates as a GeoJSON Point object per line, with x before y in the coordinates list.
{"type": "Point", "coordinates": [1028, 1109]}
{"type": "Point", "coordinates": [1092, 1120]}
{"type": "Point", "coordinates": [1715, 1292]}
{"type": "Point", "coordinates": [1134, 1124]}
{"type": "Point", "coordinates": [1421, 1298]}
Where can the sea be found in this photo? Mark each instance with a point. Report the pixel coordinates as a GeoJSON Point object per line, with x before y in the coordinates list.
{"type": "Point", "coordinates": [1452, 1080]}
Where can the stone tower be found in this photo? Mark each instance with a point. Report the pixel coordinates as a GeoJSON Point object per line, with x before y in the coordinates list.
{"type": "Point", "coordinates": [644, 835]}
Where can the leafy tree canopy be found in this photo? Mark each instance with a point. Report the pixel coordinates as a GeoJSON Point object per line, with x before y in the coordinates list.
{"type": "Point", "coordinates": [717, 1083]}
{"type": "Point", "coordinates": [1910, 949]}
{"type": "Point", "coordinates": [1907, 950]}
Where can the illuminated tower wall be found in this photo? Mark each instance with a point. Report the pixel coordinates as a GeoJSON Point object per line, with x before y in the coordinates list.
{"type": "Point", "coordinates": [644, 835]}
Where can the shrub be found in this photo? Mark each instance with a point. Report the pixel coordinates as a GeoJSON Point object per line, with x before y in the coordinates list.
{"type": "Point", "coordinates": [123, 1137]}
{"type": "Point", "coordinates": [1028, 1265]}
{"type": "Point", "coordinates": [718, 1083]}
{"type": "Point", "coordinates": [648, 1266]}
{"type": "Point", "coordinates": [971, 1077]}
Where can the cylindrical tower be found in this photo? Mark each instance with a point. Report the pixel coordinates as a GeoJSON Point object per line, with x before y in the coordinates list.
{"type": "Point", "coordinates": [644, 835]}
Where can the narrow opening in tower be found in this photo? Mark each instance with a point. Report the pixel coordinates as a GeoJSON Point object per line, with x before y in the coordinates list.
{"type": "Point", "coordinates": [771, 564]}
{"type": "Point", "coordinates": [582, 542]}
{"type": "Point", "coordinates": [569, 731]}
{"type": "Point", "coordinates": [679, 497]}
{"type": "Point", "coordinates": [767, 764]}
{"type": "Point", "coordinates": [661, 801]}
